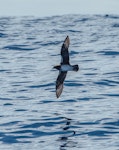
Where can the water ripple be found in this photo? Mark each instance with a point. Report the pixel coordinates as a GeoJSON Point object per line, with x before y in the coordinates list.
{"type": "Point", "coordinates": [17, 47]}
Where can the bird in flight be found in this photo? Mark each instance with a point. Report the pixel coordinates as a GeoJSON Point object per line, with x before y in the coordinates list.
{"type": "Point", "coordinates": [64, 67]}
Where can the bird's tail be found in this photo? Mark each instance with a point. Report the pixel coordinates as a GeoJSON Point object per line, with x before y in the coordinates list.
{"type": "Point", "coordinates": [75, 67]}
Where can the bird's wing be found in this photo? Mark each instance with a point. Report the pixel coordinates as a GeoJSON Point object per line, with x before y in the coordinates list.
{"type": "Point", "coordinates": [59, 82]}
{"type": "Point", "coordinates": [64, 51]}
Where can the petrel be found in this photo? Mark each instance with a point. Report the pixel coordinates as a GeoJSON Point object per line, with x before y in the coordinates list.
{"type": "Point", "coordinates": [64, 67]}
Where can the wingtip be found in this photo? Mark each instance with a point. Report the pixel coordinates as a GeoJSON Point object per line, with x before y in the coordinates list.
{"type": "Point", "coordinates": [67, 38]}
{"type": "Point", "coordinates": [59, 90]}
{"type": "Point", "coordinates": [67, 41]}
{"type": "Point", "coordinates": [57, 96]}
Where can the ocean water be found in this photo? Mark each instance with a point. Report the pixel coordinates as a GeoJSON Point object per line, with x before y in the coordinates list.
{"type": "Point", "coordinates": [86, 116]}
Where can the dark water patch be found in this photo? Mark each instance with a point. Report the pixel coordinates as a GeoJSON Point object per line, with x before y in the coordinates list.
{"type": "Point", "coordinates": [18, 48]}
{"type": "Point", "coordinates": [34, 133]}
{"type": "Point", "coordinates": [5, 98]}
{"type": "Point", "coordinates": [109, 127]}
{"type": "Point", "coordinates": [2, 134]}
{"type": "Point", "coordinates": [23, 98]}
{"type": "Point", "coordinates": [68, 101]}
{"type": "Point", "coordinates": [31, 38]}
{"type": "Point", "coordinates": [37, 43]}
{"type": "Point", "coordinates": [84, 99]}
{"type": "Point", "coordinates": [101, 133]}
{"type": "Point", "coordinates": [24, 131]}
{"type": "Point", "coordinates": [2, 35]}
{"type": "Point", "coordinates": [47, 118]}
{"type": "Point", "coordinates": [112, 94]}
{"type": "Point", "coordinates": [73, 52]}
{"type": "Point", "coordinates": [71, 83]}
{"type": "Point", "coordinates": [116, 25]}
{"type": "Point", "coordinates": [86, 51]}
{"type": "Point", "coordinates": [113, 123]}
{"type": "Point", "coordinates": [37, 133]}
{"type": "Point", "coordinates": [112, 81]}
{"type": "Point", "coordinates": [41, 85]}
{"type": "Point", "coordinates": [4, 70]}
{"type": "Point", "coordinates": [90, 74]}
{"type": "Point", "coordinates": [20, 110]}
{"type": "Point", "coordinates": [107, 83]}
{"type": "Point", "coordinates": [18, 83]}
{"type": "Point", "coordinates": [46, 101]}
{"type": "Point", "coordinates": [45, 124]}
{"type": "Point", "coordinates": [8, 104]}
{"type": "Point", "coordinates": [23, 90]}
{"type": "Point", "coordinates": [89, 60]}
{"type": "Point", "coordinates": [50, 43]}
{"type": "Point", "coordinates": [10, 123]}
{"type": "Point", "coordinates": [112, 73]}
{"type": "Point", "coordinates": [88, 98]}
{"type": "Point", "coordinates": [88, 123]}
{"type": "Point", "coordinates": [73, 31]}
{"type": "Point", "coordinates": [34, 110]}
{"type": "Point", "coordinates": [15, 91]}
{"type": "Point", "coordinates": [110, 53]}
{"type": "Point", "coordinates": [82, 20]}
{"type": "Point", "coordinates": [9, 139]}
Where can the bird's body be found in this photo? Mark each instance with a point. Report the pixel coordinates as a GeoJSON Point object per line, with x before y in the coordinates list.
{"type": "Point", "coordinates": [67, 67]}
{"type": "Point", "coordinates": [64, 67]}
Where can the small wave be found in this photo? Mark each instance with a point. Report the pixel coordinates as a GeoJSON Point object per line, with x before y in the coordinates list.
{"type": "Point", "coordinates": [3, 70]}
{"type": "Point", "coordinates": [5, 98]}
{"type": "Point", "coordinates": [41, 85]}
{"type": "Point", "coordinates": [113, 123]}
{"type": "Point", "coordinates": [116, 25]}
{"type": "Point", "coordinates": [2, 35]}
{"type": "Point", "coordinates": [107, 83]}
{"type": "Point", "coordinates": [50, 43]}
{"type": "Point", "coordinates": [74, 31]}
{"type": "Point", "coordinates": [72, 84]}
{"type": "Point", "coordinates": [74, 52]}
{"type": "Point", "coordinates": [109, 53]}
{"type": "Point", "coordinates": [68, 101]}
{"type": "Point", "coordinates": [10, 123]}
{"type": "Point", "coordinates": [18, 48]}
{"type": "Point", "coordinates": [8, 104]}
{"type": "Point", "coordinates": [112, 94]}
{"type": "Point", "coordinates": [82, 20]}
{"type": "Point", "coordinates": [100, 133]}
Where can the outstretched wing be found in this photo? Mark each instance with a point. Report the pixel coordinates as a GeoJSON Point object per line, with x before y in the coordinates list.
{"type": "Point", "coordinates": [64, 51]}
{"type": "Point", "coordinates": [59, 82]}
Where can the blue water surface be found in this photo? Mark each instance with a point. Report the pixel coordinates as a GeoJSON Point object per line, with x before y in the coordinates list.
{"type": "Point", "coordinates": [86, 116]}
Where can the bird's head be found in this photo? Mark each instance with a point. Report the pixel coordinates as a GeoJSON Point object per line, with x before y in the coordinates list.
{"type": "Point", "coordinates": [57, 67]}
